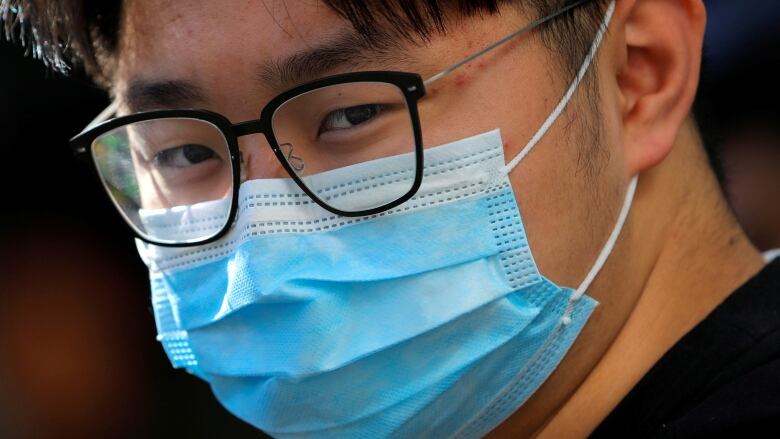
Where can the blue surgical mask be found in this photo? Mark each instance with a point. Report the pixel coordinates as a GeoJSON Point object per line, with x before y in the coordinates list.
{"type": "Point", "coordinates": [428, 320]}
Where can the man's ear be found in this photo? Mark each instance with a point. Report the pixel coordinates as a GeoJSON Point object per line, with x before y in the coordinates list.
{"type": "Point", "coordinates": [659, 58]}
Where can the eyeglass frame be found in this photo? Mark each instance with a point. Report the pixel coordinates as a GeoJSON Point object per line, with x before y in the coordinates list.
{"type": "Point", "coordinates": [411, 85]}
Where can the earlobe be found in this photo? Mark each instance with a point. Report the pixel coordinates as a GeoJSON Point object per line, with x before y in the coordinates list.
{"type": "Point", "coordinates": [658, 74]}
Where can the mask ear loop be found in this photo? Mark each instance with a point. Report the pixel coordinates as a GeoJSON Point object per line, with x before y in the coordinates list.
{"type": "Point", "coordinates": [569, 93]}
{"type": "Point", "coordinates": [611, 241]}
{"type": "Point", "coordinates": [548, 123]}
{"type": "Point", "coordinates": [605, 251]}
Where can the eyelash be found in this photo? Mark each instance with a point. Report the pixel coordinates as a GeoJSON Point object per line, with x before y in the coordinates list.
{"type": "Point", "coordinates": [373, 109]}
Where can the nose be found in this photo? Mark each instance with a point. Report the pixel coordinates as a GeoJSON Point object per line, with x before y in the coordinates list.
{"type": "Point", "coordinates": [258, 161]}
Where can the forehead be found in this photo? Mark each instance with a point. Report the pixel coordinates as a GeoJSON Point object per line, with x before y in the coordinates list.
{"type": "Point", "coordinates": [267, 22]}
{"type": "Point", "coordinates": [182, 38]}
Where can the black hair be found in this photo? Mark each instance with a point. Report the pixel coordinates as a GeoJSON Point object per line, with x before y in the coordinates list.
{"type": "Point", "coordinates": [87, 31]}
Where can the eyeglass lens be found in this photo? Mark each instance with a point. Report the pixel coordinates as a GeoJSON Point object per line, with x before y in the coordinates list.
{"type": "Point", "coordinates": [349, 127]}
{"type": "Point", "coordinates": [172, 178]}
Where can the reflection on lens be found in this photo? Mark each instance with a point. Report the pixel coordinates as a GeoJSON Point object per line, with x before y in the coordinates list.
{"type": "Point", "coordinates": [352, 127]}
{"type": "Point", "coordinates": [171, 178]}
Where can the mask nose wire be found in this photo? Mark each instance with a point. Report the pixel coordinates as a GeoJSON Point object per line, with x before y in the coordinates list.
{"type": "Point", "coordinates": [506, 169]}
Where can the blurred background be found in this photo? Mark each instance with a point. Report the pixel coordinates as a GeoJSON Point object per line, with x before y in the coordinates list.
{"type": "Point", "coordinates": [78, 356]}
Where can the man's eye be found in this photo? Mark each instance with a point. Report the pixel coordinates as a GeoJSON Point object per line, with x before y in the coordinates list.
{"type": "Point", "coordinates": [350, 117]}
{"type": "Point", "coordinates": [183, 156]}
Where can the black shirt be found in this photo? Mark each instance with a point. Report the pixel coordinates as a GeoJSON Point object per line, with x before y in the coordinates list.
{"type": "Point", "coordinates": [722, 379]}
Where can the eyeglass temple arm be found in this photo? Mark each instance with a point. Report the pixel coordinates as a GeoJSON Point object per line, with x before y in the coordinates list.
{"type": "Point", "coordinates": [514, 34]}
{"type": "Point", "coordinates": [78, 147]}
{"type": "Point", "coordinates": [103, 116]}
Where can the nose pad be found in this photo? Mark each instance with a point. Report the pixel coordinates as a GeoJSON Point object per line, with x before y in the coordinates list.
{"type": "Point", "coordinates": [258, 161]}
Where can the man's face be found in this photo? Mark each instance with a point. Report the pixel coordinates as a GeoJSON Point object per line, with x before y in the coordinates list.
{"type": "Point", "coordinates": [233, 56]}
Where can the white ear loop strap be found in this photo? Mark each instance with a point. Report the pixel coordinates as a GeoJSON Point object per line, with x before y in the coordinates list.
{"type": "Point", "coordinates": [569, 93]}
{"type": "Point", "coordinates": [540, 133]}
{"type": "Point", "coordinates": [610, 244]}
{"type": "Point", "coordinates": [605, 252]}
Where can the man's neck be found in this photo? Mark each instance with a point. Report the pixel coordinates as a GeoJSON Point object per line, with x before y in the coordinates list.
{"type": "Point", "coordinates": [700, 257]}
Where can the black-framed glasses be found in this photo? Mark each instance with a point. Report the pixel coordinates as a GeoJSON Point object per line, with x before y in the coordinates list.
{"type": "Point", "coordinates": [187, 163]}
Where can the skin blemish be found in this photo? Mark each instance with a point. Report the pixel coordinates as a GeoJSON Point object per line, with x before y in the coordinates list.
{"type": "Point", "coordinates": [460, 79]}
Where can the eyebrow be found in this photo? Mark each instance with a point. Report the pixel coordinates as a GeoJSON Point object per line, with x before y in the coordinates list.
{"type": "Point", "coordinates": [143, 94]}
{"type": "Point", "coordinates": [347, 49]}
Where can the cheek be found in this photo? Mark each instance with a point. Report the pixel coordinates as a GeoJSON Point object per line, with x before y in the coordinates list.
{"type": "Point", "coordinates": [542, 185]}
{"type": "Point", "coordinates": [559, 202]}
{"type": "Point", "coordinates": [568, 212]}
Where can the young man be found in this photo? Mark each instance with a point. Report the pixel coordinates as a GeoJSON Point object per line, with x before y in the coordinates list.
{"type": "Point", "coordinates": [341, 253]}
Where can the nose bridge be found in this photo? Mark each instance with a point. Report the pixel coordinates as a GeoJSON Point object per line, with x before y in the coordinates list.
{"type": "Point", "coordinates": [258, 160]}
{"type": "Point", "coordinates": [248, 127]}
